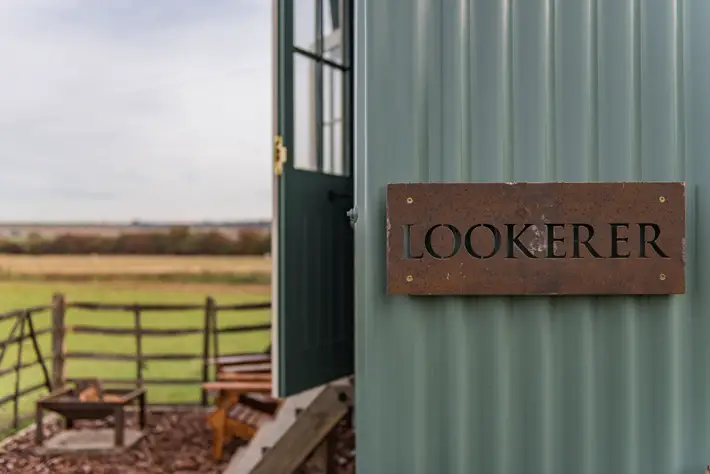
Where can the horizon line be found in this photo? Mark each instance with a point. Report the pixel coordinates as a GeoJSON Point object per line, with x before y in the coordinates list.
{"type": "Point", "coordinates": [136, 222]}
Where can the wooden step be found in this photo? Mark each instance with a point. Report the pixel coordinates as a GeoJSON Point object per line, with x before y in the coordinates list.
{"type": "Point", "coordinates": [248, 415]}
{"type": "Point", "coordinates": [241, 359]}
{"type": "Point", "coordinates": [271, 430]}
{"type": "Point", "coordinates": [245, 386]}
{"type": "Point", "coordinates": [246, 367]}
{"type": "Point", "coordinates": [243, 377]}
{"type": "Point", "coordinates": [262, 402]}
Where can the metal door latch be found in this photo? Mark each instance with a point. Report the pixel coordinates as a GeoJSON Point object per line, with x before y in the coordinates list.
{"type": "Point", "coordinates": [280, 155]}
{"type": "Point", "coordinates": [352, 215]}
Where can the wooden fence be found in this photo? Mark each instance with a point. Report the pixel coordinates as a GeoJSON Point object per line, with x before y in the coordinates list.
{"type": "Point", "coordinates": [23, 322]}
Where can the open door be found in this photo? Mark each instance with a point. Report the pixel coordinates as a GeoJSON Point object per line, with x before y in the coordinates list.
{"type": "Point", "coordinates": [312, 248]}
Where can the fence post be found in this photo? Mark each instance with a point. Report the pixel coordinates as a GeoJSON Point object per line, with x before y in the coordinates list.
{"type": "Point", "coordinates": [214, 325]}
{"type": "Point", "coordinates": [58, 339]}
{"type": "Point", "coordinates": [16, 401]}
{"type": "Point", "coordinates": [38, 352]}
{"type": "Point", "coordinates": [139, 345]}
{"type": "Point", "coordinates": [209, 309]}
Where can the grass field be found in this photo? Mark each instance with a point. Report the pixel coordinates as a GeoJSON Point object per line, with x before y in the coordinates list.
{"type": "Point", "coordinates": [19, 294]}
{"type": "Point", "coordinates": [230, 269]}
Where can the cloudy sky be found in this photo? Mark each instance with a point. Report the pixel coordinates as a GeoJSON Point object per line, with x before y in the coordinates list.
{"type": "Point", "coordinates": [135, 109]}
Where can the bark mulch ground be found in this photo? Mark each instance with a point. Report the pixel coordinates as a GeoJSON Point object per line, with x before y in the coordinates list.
{"type": "Point", "coordinates": [175, 443]}
{"type": "Point", "coordinates": [343, 447]}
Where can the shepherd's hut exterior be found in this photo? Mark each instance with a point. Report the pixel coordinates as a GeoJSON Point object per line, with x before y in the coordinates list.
{"type": "Point", "coordinates": [374, 92]}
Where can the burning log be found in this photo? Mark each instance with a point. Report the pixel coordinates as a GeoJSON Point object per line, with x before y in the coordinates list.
{"type": "Point", "coordinates": [91, 390]}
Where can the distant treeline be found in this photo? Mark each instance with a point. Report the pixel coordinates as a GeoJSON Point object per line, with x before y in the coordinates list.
{"type": "Point", "coordinates": [179, 241]}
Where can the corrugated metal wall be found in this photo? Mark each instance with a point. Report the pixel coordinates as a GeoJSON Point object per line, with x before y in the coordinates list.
{"type": "Point", "coordinates": [532, 90]}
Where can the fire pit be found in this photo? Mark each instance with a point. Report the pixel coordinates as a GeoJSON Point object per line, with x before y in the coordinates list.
{"type": "Point", "coordinates": [87, 400]}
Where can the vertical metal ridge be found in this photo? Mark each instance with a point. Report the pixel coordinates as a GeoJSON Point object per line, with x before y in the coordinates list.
{"type": "Point", "coordinates": [551, 116]}
{"type": "Point", "coordinates": [454, 66]}
{"type": "Point", "coordinates": [455, 126]}
{"type": "Point", "coordinates": [631, 310]}
{"type": "Point", "coordinates": [632, 452]}
{"type": "Point", "coordinates": [406, 30]}
{"type": "Point", "coordinates": [503, 379]}
{"type": "Point", "coordinates": [591, 447]}
{"type": "Point", "coordinates": [420, 423]}
{"type": "Point", "coordinates": [637, 85]}
{"type": "Point", "coordinates": [419, 100]}
{"type": "Point", "coordinates": [679, 307]}
{"type": "Point", "coordinates": [548, 393]}
{"type": "Point", "coordinates": [677, 366]}
{"type": "Point", "coordinates": [366, 329]}
{"type": "Point", "coordinates": [420, 462]}
{"type": "Point", "coordinates": [432, 32]}
{"type": "Point", "coordinates": [466, 84]}
{"type": "Point", "coordinates": [509, 160]}
{"type": "Point", "coordinates": [590, 431]}
{"type": "Point", "coordinates": [435, 339]}
{"type": "Point", "coordinates": [503, 395]}
{"type": "Point", "coordinates": [475, 105]}
{"type": "Point", "coordinates": [594, 162]}
{"type": "Point", "coordinates": [589, 436]}
{"type": "Point", "coordinates": [680, 88]}
{"type": "Point", "coordinates": [462, 79]}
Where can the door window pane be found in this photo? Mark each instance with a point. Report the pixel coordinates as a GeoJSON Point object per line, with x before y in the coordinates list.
{"type": "Point", "coordinates": [332, 16]}
{"type": "Point", "coordinates": [333, 30]}
{"type": "Point", "coordinates": [304, 117]}
{"type": "Point", "coordinates": [335, 53]}
{"type": "Point", "coordinates": [328, 152]}
{"type": "Point", "coordinates": [333, 151]}
{"type": "Point", "coordinates": [340, 166]}
{"type": "Point", "coordinates": [304, 27]}
{"type": "Point", "coordinates": [332, 94]}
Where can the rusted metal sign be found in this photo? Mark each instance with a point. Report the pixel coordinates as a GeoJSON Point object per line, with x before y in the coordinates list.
{"type": "Point", "coordinates": [536, 238]}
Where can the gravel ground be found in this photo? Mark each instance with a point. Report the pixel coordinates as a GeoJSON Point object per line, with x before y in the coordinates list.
{"type": "Point", "coordinates": [176, 443]}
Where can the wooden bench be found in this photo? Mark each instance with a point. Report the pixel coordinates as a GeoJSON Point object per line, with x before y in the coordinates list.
{"type": "Point", "coordinates": [239, 412]}
{"type": "Point", "coordinates": [243, 402]}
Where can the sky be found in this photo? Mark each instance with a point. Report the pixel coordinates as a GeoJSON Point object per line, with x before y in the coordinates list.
{"type": "Point", "coordinates": [135, 109]}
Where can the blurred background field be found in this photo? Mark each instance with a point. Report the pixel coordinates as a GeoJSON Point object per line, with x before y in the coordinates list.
{"type": "Point", "coordinates": [156, 268]}
{"type": "Point", "coordinates": [27, 280]}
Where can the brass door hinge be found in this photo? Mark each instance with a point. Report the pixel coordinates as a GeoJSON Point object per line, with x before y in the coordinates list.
{"type": "Point", "coordinates": [280, 155]}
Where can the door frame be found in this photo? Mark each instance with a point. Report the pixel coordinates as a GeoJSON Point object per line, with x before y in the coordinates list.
{"type": "Point", "coordinates": [277, 130]}
{"type": "Point", "coordinates": [283, 126]}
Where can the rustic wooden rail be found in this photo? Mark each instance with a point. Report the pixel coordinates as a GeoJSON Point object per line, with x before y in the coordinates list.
{"type": "Point", "coordinates": [60, 327]}
{"type": "Point", "coordinates": [24, 325]}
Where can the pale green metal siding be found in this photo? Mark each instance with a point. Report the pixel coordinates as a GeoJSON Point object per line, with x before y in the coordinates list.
{"type": "Point", "coordinates": [532, 90]}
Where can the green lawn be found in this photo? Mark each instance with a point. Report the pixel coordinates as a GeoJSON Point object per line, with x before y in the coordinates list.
{"type": "Point", "coordinates": [19, 295]}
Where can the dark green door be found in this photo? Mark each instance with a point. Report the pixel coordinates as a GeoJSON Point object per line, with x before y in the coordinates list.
{"type": "Point", "coordinates": [313, 245]}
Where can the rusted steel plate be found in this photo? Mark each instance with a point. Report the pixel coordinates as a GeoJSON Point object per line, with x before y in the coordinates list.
{"type": "Point", "coordinates": [536, 238]}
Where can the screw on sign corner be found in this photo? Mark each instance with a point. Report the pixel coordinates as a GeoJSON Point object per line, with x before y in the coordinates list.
{"type": "Point", "coordinates": [662, 199]}
{"type": "Point", "coordinates": [410, 200]}
{"type": "Point", "coordinates": [410, 278]}
{"type": "Point", "coordinates": [662, 276]}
